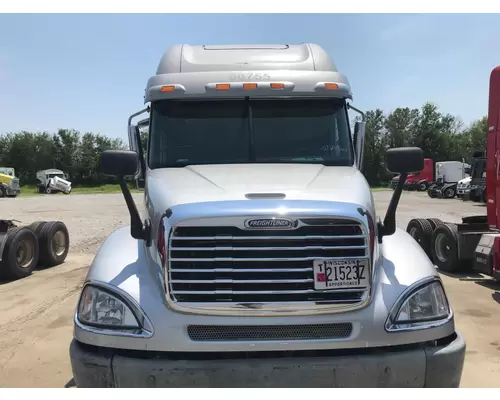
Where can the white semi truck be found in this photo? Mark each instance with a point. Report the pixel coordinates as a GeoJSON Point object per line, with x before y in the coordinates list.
{"type": "Point", "coordinates": [53, 181]}
{"type": "Point", "coordinates": [259, 260]}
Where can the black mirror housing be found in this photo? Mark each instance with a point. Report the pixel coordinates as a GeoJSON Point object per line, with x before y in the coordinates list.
{"type": "Point", "coordinates": [404, 160]}
{"type": "Point", "coordinates": [119, 163]}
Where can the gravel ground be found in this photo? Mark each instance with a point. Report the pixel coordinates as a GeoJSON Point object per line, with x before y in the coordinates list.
{"type": "Point", "coordinates": [36, 312]}
{"type": "Point", "coordinates": [90, 218]}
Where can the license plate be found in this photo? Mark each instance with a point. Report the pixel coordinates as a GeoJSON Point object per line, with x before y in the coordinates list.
{"type": "Point", "coordinates": [340, 274]}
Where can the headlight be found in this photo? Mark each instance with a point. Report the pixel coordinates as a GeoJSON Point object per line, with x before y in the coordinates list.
{"type": "Point", "coordinates": [423, 307]}
{"type": "Point", "coordinates": [101, 308]}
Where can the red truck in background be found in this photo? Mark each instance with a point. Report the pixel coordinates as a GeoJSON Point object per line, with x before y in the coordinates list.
{"type": "Point", "coordinates": [475, 242]}
{"type": "Point", "coordinates": [418, 180]}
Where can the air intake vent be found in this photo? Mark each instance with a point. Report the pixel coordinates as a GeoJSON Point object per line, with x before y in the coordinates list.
{"type": "Point", "coordinates": [269, 332]}
{"type": "Point", "coordinates": [265, 196]}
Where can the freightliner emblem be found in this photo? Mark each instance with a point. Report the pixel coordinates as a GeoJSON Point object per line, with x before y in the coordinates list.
{"type": "Point", "coordinates": [270, 223]}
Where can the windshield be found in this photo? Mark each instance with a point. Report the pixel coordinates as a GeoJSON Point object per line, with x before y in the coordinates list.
{"type": "Point", "coordinates": [249, 131]}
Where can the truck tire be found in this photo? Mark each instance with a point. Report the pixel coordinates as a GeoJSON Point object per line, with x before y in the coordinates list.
{"type": "Point", "coordinates": [20, 255]}
{"type": "Point", "coordinates": [421, 230]}
{"type": "Point", "coordinates": [3, 192]}
{"type": "Point", "coordinates": [48, 190]}
{"type": "Point", "coordinates": [423, 186]}
{"type": "Point", "coordinates": [449, 193]}
{"type": "Point", "coordinates": [54, 243]}
{"type": "Point", "coordinates": [435, 222]}
{"type": "Point", "coordinates": [444, 248]}
{"type": "Point", "coordinates": [37, 227]}
{"type": "Point", "coordinates": [431, 192]}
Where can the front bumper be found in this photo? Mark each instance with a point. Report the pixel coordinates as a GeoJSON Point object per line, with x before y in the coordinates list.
{"type": "Point", "coordinates": [13, 192]}
{"type": "Point", "coordinates": [422, 365]}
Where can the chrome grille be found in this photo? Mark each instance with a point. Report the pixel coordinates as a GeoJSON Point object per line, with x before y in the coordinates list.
{"type": "Point", "coordinates": [15, 183]}
{"type": "Point", "coordinates": [230, 264]}
{"type": "Point", "coordinates": [269, 332]}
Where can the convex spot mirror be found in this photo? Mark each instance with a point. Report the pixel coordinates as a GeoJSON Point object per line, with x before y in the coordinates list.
{"type": "Point", "coordinates": [119, 163]}
{"type": "Point", "coordinates": [404, 159]}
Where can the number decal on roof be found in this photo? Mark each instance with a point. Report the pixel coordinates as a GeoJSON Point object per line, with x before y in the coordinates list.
{"type": "Point", "coordinates": [250, 76]}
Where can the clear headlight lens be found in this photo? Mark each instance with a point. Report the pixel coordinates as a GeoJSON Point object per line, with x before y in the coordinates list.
{"type": "Point", "coordinates": [99, 307]}
{"type": "Point", "coordinates": [424, 306]}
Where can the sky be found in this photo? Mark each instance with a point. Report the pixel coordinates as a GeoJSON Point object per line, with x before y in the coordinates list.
{"type": "Point", "coordinates": [88, 71]}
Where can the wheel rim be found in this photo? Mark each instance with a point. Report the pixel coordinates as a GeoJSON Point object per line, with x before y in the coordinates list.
{"type": "Point", "coordinates": [59, 243]}
{"type": "Point", "coordinates": [442, 248]}
{"type": "Point", "coordinates": [449, 192]}
{"type": "Point", "coordinates": [423, 186]}
{"type": "Point", "coordinates": [25, 253]}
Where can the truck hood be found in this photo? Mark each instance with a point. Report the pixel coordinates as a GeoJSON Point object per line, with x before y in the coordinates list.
{"type": "Point", "coordinates": [203, 183]}
{"type": "Point", "coordinates": [61, 180]}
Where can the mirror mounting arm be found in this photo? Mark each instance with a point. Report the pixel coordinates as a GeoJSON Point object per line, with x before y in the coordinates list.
{"type": "Point", "coordinates": [138, 229]}
{"type": "Point", "coordinates": [363, 115]}
{"type": "Point", "coordinates": [389, 226]}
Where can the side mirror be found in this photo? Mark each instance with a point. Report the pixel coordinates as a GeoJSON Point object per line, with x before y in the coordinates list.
{"type": "Point", "coordinates": [404, 160]}
{"type": "Point", "coordinates": [119, 163]}
{"type": "Point", "coordinates": [122, 163]}
{"type": "Point", "coordinates": [359, 142]}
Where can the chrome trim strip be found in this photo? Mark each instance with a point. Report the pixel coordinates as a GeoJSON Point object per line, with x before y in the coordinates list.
{"type": "Point", "coordinates": [308, 280]}
{"type": "Point", "coordinates": [391, 327]}
{"type": "Point", "coordinates": [307, 237]}
{"type": "Point", "coordinates": [305, 291]}
{"type": "Point", "coordinates": [232, 270]}
{"type": "Point", "coordinates": [222, 259]}
{"type": "Point", "coordinates": [145, 329]}
{"type": "Point", "coordinates": [304, 248]}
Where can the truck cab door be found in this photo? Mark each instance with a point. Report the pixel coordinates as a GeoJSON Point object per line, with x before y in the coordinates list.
{"type": "Point", "coordinates": [134, 139]}
{"type": "Point", "coordinates": [133, 135]}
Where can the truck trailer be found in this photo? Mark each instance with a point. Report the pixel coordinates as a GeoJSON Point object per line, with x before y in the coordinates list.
{"type": "Point", "coordinates": [473, 244]}
{"type": "Point", "coordinates": [258, 259]}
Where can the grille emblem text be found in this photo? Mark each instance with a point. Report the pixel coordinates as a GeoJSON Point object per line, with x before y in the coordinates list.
{"type": "Point", "coordinates": [270, 223]}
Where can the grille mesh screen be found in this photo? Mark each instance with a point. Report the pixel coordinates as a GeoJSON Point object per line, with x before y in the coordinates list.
{"type": "Point", "coordinates": [269, 332]}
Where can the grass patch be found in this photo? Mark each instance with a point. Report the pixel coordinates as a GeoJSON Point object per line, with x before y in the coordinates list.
{"type": "Point", "coordinates": [380, 188]}
{"type": "Point", "coordinates": [31, 190]}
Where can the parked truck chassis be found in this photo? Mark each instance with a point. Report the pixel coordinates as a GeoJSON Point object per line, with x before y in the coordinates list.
{"type": "Point", "coordinates": [24, 248]}
{"type": "Point", "coordinates": [473, 244]}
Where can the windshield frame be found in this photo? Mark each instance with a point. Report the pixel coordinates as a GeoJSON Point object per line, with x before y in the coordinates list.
{"type": "Point", "coordinates": [350, 148]}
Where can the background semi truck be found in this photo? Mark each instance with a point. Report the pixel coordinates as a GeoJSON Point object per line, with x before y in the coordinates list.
{"type": "Point", "coordinates": [473, 244]}
{"type": "Point", "coordinates": [418, 180]}
{"type": "Point", "coordinates": [258, 258]}
{"type": "Point", "coordinates": [9, 183]}
{"type": "Point", "coordinates": [448, 175]}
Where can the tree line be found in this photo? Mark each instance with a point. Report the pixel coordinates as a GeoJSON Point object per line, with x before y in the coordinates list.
{"type": "Point", "coordinates": [68, 150]}
{"type": "Point", "coordinates": [441, 136]}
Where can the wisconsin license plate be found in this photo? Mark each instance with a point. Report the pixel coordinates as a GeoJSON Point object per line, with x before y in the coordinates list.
{"type": "Point", "coordinates": [340, 274]}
